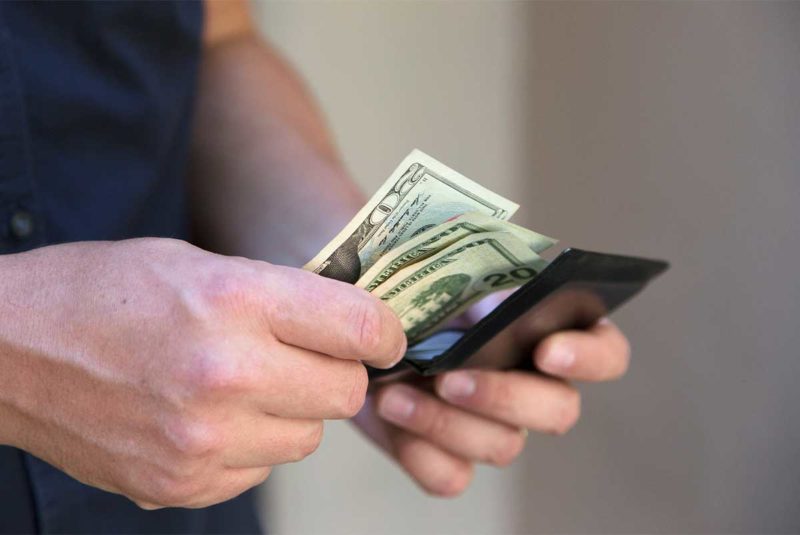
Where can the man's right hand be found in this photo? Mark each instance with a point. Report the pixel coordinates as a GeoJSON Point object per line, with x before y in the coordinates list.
{"type": "Point", "coordinates": [174, 376]}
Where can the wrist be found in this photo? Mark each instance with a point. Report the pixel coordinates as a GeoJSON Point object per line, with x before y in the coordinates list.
{"type": "Point", "coordinates": [31, 316]}
{"type": "Point", "coordinates": [12, 271]}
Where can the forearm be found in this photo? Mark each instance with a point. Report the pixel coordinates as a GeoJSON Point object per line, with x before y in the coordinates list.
{"type": "Point", "coordinates": [37, 313]}
{"type": "Point", "coordinates": [17, 299]}
{"type": "Point", "coordinates": [266, 181]}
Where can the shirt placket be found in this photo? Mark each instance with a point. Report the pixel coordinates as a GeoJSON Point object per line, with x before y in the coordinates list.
{"type": "Point", "coordinates": [21, 223]}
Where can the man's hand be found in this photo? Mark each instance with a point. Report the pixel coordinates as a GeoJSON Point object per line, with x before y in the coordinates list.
{"type": "Point", "coordinates": [261, 145]}
{"type": "Point", "coordinates": [437, 430]}
{"type": "Point", "coordinates": [174, 376]}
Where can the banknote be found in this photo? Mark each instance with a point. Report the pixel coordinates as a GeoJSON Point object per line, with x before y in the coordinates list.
{"type": "Point", "coordinates": [429, 292]}
{"type": "Point", "coordinates": [441, 236]}
{"type": "Point", "coordinates": [420, 194]}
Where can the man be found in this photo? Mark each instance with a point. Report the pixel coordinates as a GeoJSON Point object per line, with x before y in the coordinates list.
{"type": "Point", "coordinates": [146, 380]}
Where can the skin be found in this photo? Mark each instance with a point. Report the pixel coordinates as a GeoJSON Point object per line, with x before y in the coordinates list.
{"type": "Point", "coordinates": [175, 376]}
{"type": "Point", "coordinates": [283, 157]}
{"type": "Point", "coordinates": [178, 377]}
{"type": "Point", "coordinates": [438, 430]}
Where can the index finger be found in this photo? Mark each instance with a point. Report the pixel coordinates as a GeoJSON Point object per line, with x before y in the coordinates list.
{"type": "Point", "coordinates": [333, 318]}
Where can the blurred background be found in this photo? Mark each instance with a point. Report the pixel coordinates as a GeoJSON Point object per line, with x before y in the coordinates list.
{"type": "Point", "coordinates": [651, 128]}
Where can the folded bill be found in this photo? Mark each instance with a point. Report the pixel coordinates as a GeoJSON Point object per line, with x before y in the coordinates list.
{"type": "Point", "coordinates": [420, 194]}
{"type": "Point", "coordinates": [428, 293]}
{"type": "Point", "coordinates": [429, 243]}
{"type": "Point", "coordinates": [439, 237]}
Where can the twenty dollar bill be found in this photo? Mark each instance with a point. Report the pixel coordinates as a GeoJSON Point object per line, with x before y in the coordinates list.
{"type": "Point", "coordinates": [427, 293]}
{"type": "Point", "coordinates": [441, 236]}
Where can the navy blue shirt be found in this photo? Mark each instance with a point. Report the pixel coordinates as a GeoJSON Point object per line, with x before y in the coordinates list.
{"type": "Point", "coordinates": [95, 107]}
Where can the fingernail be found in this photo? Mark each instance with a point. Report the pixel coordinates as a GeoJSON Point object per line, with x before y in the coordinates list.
{"type": "Point", "coordinates": [560, 357]}
{"type": "Point", "coordinates": [397, 405]}
{"type": "Point", "coordinates": [458, 385]}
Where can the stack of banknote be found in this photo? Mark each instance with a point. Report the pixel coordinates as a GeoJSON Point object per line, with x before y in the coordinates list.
{"type": "Point", "coordinates": [430, 243]}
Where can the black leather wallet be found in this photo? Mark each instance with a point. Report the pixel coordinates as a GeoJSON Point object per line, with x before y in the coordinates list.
{"type": "Point", "coordinates": [572, 292]}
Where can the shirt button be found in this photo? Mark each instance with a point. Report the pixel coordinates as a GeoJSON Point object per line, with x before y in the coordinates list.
{"type": "Point", "coordinates": [21, 224]}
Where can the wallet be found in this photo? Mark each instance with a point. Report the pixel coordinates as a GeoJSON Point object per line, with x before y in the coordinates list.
{"type": "Point", "coordinates": [573, 292]}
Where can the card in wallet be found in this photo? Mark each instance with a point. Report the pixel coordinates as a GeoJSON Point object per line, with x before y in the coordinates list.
{"type": "Point", "coordinates": [572, 292]}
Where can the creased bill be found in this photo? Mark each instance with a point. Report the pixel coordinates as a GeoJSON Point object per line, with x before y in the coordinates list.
{"type": "Point", "coordinates": [429, 242]}
{"type": "Point", "coordinates": [420, 194]}
{"type": "Point", "coordinates": [429, 292]}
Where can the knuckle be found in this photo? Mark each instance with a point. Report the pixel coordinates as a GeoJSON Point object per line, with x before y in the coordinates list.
{"type": "Point", "coordinates": [191, 437]}
{"type": "Point", "coordinates": [501, 397]}
{"type": "Point", "coordinates": [506, 450]}
{"type": "Point", "coordinates": [624, 359]}
{"type": "Point", "coordinates": [439, 423]}
{"type": "Point", "coordinates": [263, 476]}
{"type": "Point", "coordinates": [309, 442]}
{"type": "Point", "coordinates": [220, 286]}
{"type": "Point", "coordinates": [356, 394]}
{"type": "Point", "coordinates": [214, 290]}
{"type": "Point", "coordinates": [147, 506]}
{"type": "Point", "coordinates": [227, 488]}
{"type": "Point", "coordinates": [161, 246]}
{"type": "Point", "coordinates": [209, 372]}
{"type": "Point", "coordinates": [169, 490]}
{"type": "Point", "coordinates": [225, 287]}
{"type": "Point", "coordinates": [367, 328]}
{"type": "Point", "coordinates": [452, 484]}
{"type": "Point", "coordinates": [568, 413]}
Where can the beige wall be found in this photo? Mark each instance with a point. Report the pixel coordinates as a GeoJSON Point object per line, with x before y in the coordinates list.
{"type": "Point", "coordinates": [663, 129]}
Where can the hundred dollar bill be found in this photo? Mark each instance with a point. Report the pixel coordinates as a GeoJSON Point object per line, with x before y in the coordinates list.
{"type": "Point", "coordinates": [439, 237]}
{"type": "Point", "coordinates": [429, 292]}
{"type": "Point", "coordinates": [420, 194]}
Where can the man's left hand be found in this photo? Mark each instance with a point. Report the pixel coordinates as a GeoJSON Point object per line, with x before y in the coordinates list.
{"type": "Point", "coordinates": [438, 429]}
